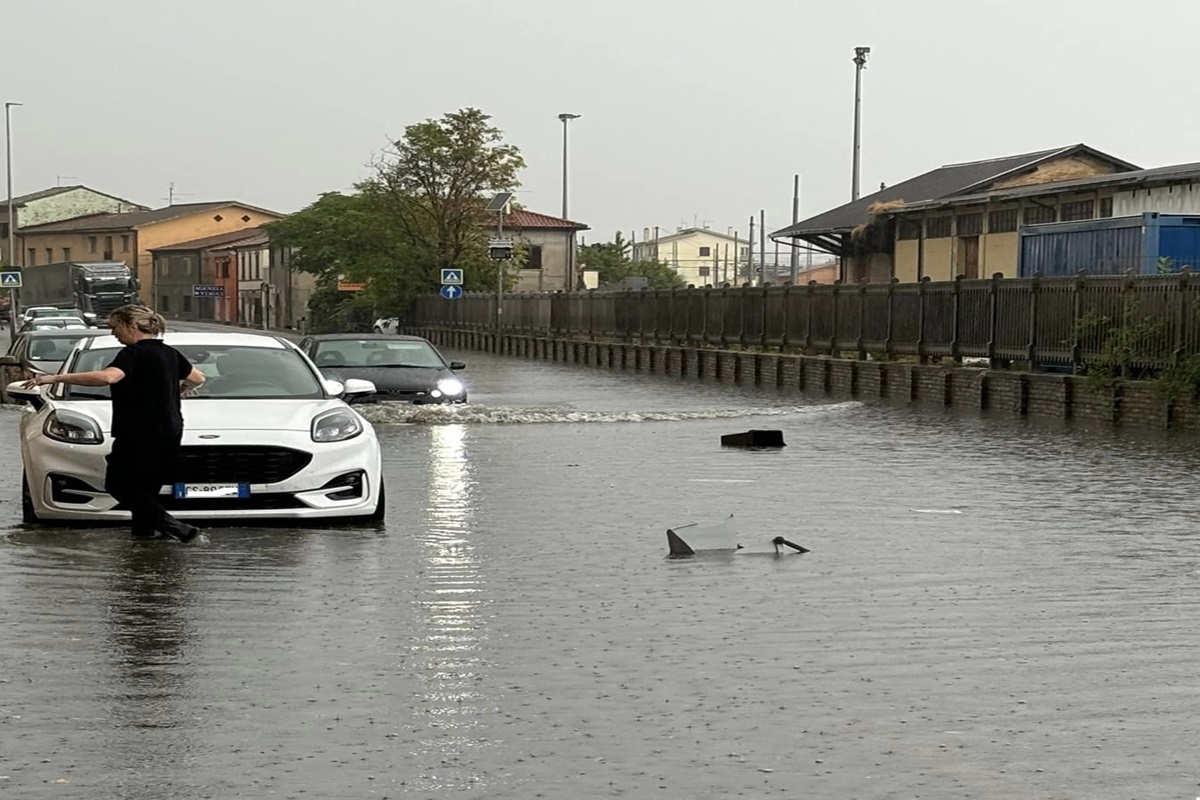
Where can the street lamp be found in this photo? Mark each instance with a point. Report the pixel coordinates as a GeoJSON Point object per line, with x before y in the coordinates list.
{"type": "Point", "coordinates": [12, 231]}
{"type": "Point", "coordinates": [565, 118]}
{"type": "Point", "coordinates": [860, 62]}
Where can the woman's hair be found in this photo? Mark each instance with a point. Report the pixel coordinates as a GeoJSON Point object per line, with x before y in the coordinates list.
{"type": "Point", "coordinates": [142, 318]}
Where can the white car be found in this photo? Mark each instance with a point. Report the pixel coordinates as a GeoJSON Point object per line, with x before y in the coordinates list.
{"type": "Point", "coordinates": [386, 325]}
{"type": "Point", "coordinates": [266, 437]}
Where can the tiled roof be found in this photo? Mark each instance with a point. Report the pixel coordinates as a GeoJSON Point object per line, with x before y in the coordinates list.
{"type": "Point", "coordinates": [136, 219]}
{"type": "Point", "coordinates": [221, 241]}
{"type": "Point", "coordinates": [948, 181]}
{"type": "Point", "coordinates": [532, 219]}
{"type": "Point", "coordinates": [57, 190]}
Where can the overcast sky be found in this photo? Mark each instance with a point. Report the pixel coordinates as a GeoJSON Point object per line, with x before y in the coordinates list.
{"type": "Point", "coordinates": [693, 110]}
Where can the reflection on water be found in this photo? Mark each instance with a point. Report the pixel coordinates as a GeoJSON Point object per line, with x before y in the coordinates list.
{"type": "Point", "coordinates": [474, 414]}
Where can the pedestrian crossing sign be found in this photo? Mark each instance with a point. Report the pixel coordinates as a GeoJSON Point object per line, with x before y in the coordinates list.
{"type": "Point", "coordinates": [452, 277]}
{"type": "Point", "coordinates": [10, 280]}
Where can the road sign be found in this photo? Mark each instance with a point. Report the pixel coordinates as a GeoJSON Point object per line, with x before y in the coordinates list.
{"type": "Point", "coordinates": [452, 277]}
{"type": "Point", "coordinates": [10, 280]}
{"type": "Point", "coordinates": [203, 290]}
{"type": "Point", "coordinates": [451, 292]}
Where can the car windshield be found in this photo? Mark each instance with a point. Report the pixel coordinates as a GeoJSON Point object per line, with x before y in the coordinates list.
{"type": "Point", "coordinates": [34, 313]}
{"type": "Point", "coordinates": [377, 353]}
{"type": "Point", "coordinates": [56, 322]}
{"type": "Point", "coordinates": [233, 373]}
{"type": "Point", "coordinates": [51, 348]}
{"type": "Point", "coordinates": [108, 285]}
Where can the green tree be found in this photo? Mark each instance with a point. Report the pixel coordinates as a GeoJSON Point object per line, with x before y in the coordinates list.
{"type": "Point", "coordinates": [613, 263]}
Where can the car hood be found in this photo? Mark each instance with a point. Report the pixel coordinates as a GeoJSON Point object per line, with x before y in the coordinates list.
{"type": "Point", "coordinates": [405, 378]}
{"type": "Point", "coordinates": [200, 414]}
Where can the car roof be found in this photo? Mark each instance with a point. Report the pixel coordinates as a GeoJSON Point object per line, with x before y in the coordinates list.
{"type": "Point", "coordinates": [48, 332]}
{"type": "Point", "coordinates": [347, 337]}
{"type": "Point", "coordinates": [202, 338]}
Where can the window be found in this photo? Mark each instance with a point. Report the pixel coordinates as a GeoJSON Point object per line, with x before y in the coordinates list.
{"type": "Point", "coordinates": [125, 243]}
{"type": "Point", "coordinates": [1084, 209]}
{"type": "Point", "coordinates": [49, 255]}
{"type": "Point", "coordinates": [704, 270]}
{"type": "Point", "coordinates": [908, 229]}
{"type": "Point", "coordinates": [32, 257]}
{"type": "Point", "coordinates": [1003, 221]}
{"type": "Point", "coordinates": [66, 254]}
{"type": "Point", "coordinates": [970, 224]}
{"type": "Point", "coordinates": [745, 252]}
{"type": "Point", "coordinates": [1039, 215]}
{"type": "Point", "coordinates": [1106, 207]}
{"type": "Point", "coordinates": [108, 245]}
{"type": "Point", "coordinates": [225, 268]}
{"type": "Point", "coordinates": [706, 252]}
{"type": "Point", "coordinates": [534, 261]}
{"type": "Point", "coordinates": [938, 227]}
{"type": "Point", "coordinates": [3, 230]}
{"type": "Point", "coordinates": [164, 303]}
{"type": "Point", "coordinates": [187, 303]}
{"type": "Point", "coordinates": [91, 244]}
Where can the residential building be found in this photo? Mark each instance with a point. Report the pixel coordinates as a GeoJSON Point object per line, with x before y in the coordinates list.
{"type": "Point", "coordinates": [132, 237]}
{"type": "Point", "coordinates": [290, 289]}
{"type": "Point", "coordinates": [701, 256]}
{"type": "Point", "coordinates": [57, 204]}
{"type": "Point", "coordinates": [550, 246]}
{"type": "Point", "coordinates": [964, 219]}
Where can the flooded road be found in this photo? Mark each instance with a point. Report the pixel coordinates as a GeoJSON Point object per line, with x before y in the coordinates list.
{"type": "Point", "coordinates": [990, 609]}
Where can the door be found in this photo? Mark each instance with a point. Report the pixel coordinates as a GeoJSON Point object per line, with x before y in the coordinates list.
{"type": "Point", "coordinates": [968, 257]}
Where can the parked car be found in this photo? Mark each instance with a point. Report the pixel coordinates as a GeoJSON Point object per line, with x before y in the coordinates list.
{"type": "Point", "coordinates": [403, 368]}
{"type": "Point", "coordinates": [266, 437]}
{"type": "Point", "coordinates": [53, 323]}
{"type": "Point", "coordinates": [386, 325]}
{"type": "Point", "coordinates": [36, 312]}
{"type": "Point", "coordinates": [38, 353]}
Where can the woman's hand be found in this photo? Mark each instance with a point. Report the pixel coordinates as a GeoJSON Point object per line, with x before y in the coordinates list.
{"type": "Point", "coordinates": [39, 380]}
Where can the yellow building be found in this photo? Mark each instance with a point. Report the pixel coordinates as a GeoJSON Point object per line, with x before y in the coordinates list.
{"type": "Point", "coordinates": [964, 219]}
{"type": "Point", "coordinates": [132, 236]}
{"type": "Point", "coordinates": [701, 256]}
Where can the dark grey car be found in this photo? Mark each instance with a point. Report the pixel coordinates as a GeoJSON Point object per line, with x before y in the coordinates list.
{"type": "Point", "coordinates": [39, 353]}
{"type": "Point", "coordinates": [406, 369]}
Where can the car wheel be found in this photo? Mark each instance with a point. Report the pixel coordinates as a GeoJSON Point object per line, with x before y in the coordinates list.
{"type": "Point", "coordinates": [380, 505]}
{"type": "Point", "coordinates": [28, 514]}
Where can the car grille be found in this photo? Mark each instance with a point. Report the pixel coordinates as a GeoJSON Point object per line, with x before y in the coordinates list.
{"type": "Point", "coordinates": [401, 393]}
{"type": "Point", "coordinates": [238, 464]}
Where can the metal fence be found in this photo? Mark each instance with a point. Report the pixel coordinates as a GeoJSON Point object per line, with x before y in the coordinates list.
{"type": "Point", "coordinates": [1147, 321]}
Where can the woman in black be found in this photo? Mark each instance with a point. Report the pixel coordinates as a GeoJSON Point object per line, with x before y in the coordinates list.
{"type": "Point", "coordinates": [146, 380]}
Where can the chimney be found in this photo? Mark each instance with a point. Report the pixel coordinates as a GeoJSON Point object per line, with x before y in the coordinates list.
{"type": "Point", "coordinates": [645, 234]}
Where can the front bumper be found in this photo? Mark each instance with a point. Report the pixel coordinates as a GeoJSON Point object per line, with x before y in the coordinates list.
{"type": "Point", "coordinates": [66, 481]}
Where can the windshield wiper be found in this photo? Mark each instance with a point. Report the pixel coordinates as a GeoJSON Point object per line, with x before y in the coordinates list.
{"type": "Point", "coordinates": [406, 366]}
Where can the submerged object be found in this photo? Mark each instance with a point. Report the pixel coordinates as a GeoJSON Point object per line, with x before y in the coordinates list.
{"type": "Point", "coordinates": [693, 538]}
{"type": "Point", "coordinates": [754, 439]}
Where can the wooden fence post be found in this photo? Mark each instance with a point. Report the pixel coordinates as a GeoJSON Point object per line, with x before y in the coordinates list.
{"type": "Point", "coordinates": [956, 320]}
{"type": "Point", "coordinates": [833, 327]}
{"type": "Point", "coordinates": [862, 318]}
{"type": "Point", "coordinates": [1031, 349]}
{"type": "Point", "coordinates": [891, 319]}
{"type": "Point", "coordinates": [785, 335]}
{"type": "Point", "coordinates": [808, 317]}
{"type": "Point", "coordinates": [1077, 287]}
{"type": "Point", "coordinates": [921, 284]}
{"type": "Point", "coordinates": [762, 325]}
{"type": "Point", "coordinates": [994, 319]}
{"type": "Point", "coordinates": [1182, 316]}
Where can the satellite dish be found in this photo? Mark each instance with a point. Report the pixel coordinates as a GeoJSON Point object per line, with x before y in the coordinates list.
{"type": "Point", "coordinates": [500, 202]}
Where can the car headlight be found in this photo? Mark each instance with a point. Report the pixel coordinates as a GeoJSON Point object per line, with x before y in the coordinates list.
{"type": "Point", "coordinates": [89, 315]}
{"type": "Point", "coordinates": [336, 426]}
{"type": "Point", "coordinates": [71, 427]}
{"type": "Point", "coordinates": [451, 387]}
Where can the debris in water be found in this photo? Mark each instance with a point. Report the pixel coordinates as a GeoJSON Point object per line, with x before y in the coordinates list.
{"type": "Point", "coordinates": [693, 538]}
{"type": "Point", "coordinates": [754, 439]}
{"type": "Point", "coordinates": [935, 511]}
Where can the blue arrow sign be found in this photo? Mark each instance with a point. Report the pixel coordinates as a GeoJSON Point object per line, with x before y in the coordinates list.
{"type": "Point", "coordinates": [10, 280]}
{"type": "Point", "coordinates": [452, 276]}
{"type": "Point", "coordinates": [452, 292]}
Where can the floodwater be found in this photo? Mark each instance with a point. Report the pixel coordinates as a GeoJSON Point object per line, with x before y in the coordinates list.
{"type": "Point", "coordinates": [990, 609]}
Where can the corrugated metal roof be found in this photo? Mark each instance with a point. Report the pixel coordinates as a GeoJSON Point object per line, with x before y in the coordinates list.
{"type": "Point", "coordinates": [136, 219]}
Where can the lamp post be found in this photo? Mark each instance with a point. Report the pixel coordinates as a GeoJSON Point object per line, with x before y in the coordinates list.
{"type": "Point", "coordinates": [565, 118]}
{"type": "Point", "coordinates": [860, 62]}
{"type": "Point", "coordinates": [13, 306]}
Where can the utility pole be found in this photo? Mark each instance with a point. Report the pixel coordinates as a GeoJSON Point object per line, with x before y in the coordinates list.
{"type": "Point", "coordinates": [13, 303]}
{"type": "Point", "coordinates": [762, 245]}
{"type": "Point", "coordinates": [860, 62]}
{"type": "Point", "coordinates": [571, 244]}
{"type": "Point", "coordinates": [795, 221]}
{"type": "Point", "coordinates": [750, 259]}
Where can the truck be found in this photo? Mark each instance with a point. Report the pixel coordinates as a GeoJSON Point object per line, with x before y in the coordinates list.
{"type": "Point", "coordinates": [1150, 243]}
{"type": "Point", "coordinates": [96, 288]}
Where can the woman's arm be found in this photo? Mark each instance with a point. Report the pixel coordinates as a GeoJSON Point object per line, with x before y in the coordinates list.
{"type": "Point", "coordinates": [103, 377]}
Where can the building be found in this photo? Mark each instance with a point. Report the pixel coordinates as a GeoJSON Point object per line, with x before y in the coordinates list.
{"type": "Point", "coordinates": [290, 288]}
{"type": "Point", "coordinates": [550, 245]}
{"type": "Point", "coordinates": [57, 204]}
{"type": "Point", "coordinates": [198, 279]}
{"type": "Point", "coordinates": [963, 219]}
{"type": "Point", "coordinates": [132, 237]}
{"type": "Point", "coordinates": [701, 256]}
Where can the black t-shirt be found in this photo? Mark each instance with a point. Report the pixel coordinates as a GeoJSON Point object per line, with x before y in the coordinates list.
{"type": "Point", "coordinates": [145, 403]}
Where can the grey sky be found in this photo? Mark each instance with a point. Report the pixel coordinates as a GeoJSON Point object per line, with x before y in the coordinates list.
{"type": "Point", "coordinates": [699, 110]}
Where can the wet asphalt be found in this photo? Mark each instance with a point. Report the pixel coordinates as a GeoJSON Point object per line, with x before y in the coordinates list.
{"type": "Point", "coordinates": [990, 609]}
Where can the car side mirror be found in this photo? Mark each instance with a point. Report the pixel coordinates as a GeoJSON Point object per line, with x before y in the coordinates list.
{"type": "Point", "coordinates": [357, 388]}
{"type": "Point", "coordinates": [457, 365]}
{"type": "Point", "coordinates": [8, 361]}
{"type": "Point", "coordinates": [335, 388]}
{"type": "Point", "coordinates": [17, 391]}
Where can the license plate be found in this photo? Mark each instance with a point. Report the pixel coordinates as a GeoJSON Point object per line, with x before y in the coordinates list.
{"type": "Point", "coordinates": [189, 491]}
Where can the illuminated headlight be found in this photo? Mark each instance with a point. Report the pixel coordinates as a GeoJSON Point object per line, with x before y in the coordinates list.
{"type": "Point", "coordinates": [71, 427]}
{"type": "Point", "coordinates": [336, 426]}
{"type": "Point", "coordinates": [451, 387]}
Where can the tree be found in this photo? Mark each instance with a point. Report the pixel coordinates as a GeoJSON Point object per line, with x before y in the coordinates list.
{"type": "Point", "coordinates": [421, 212]}
{"type": "Point", "coordinates": [612, 261]}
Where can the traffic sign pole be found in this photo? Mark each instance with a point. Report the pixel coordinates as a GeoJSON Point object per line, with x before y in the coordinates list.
{"type": "Point", "coordinates": [11, 280]}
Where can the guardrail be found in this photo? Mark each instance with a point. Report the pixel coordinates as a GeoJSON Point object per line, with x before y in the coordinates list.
{"type": "Point", "coordinates": [1145, 321]}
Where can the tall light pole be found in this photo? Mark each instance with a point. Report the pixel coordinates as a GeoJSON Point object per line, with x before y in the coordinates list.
{"type": "Point", "coordinates": [13, 306]}
{"type": "Point", "coordinates": [565, 118]}
{"type": "Point", "coordinates": [860, 62]}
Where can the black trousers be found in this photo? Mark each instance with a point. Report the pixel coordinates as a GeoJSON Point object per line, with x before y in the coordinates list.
{"type": "Point", "coordinates": [137, 470]}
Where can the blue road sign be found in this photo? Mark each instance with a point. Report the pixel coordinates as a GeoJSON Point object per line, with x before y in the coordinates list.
{"type": "Point", "coordinates": [208, 290]}
{"type": "Point", "coordinates": [10, 280]}
{"type": "Point", "coordinates": [452, 277]}
{"type": "Point", "coordinates": [451, 292]}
